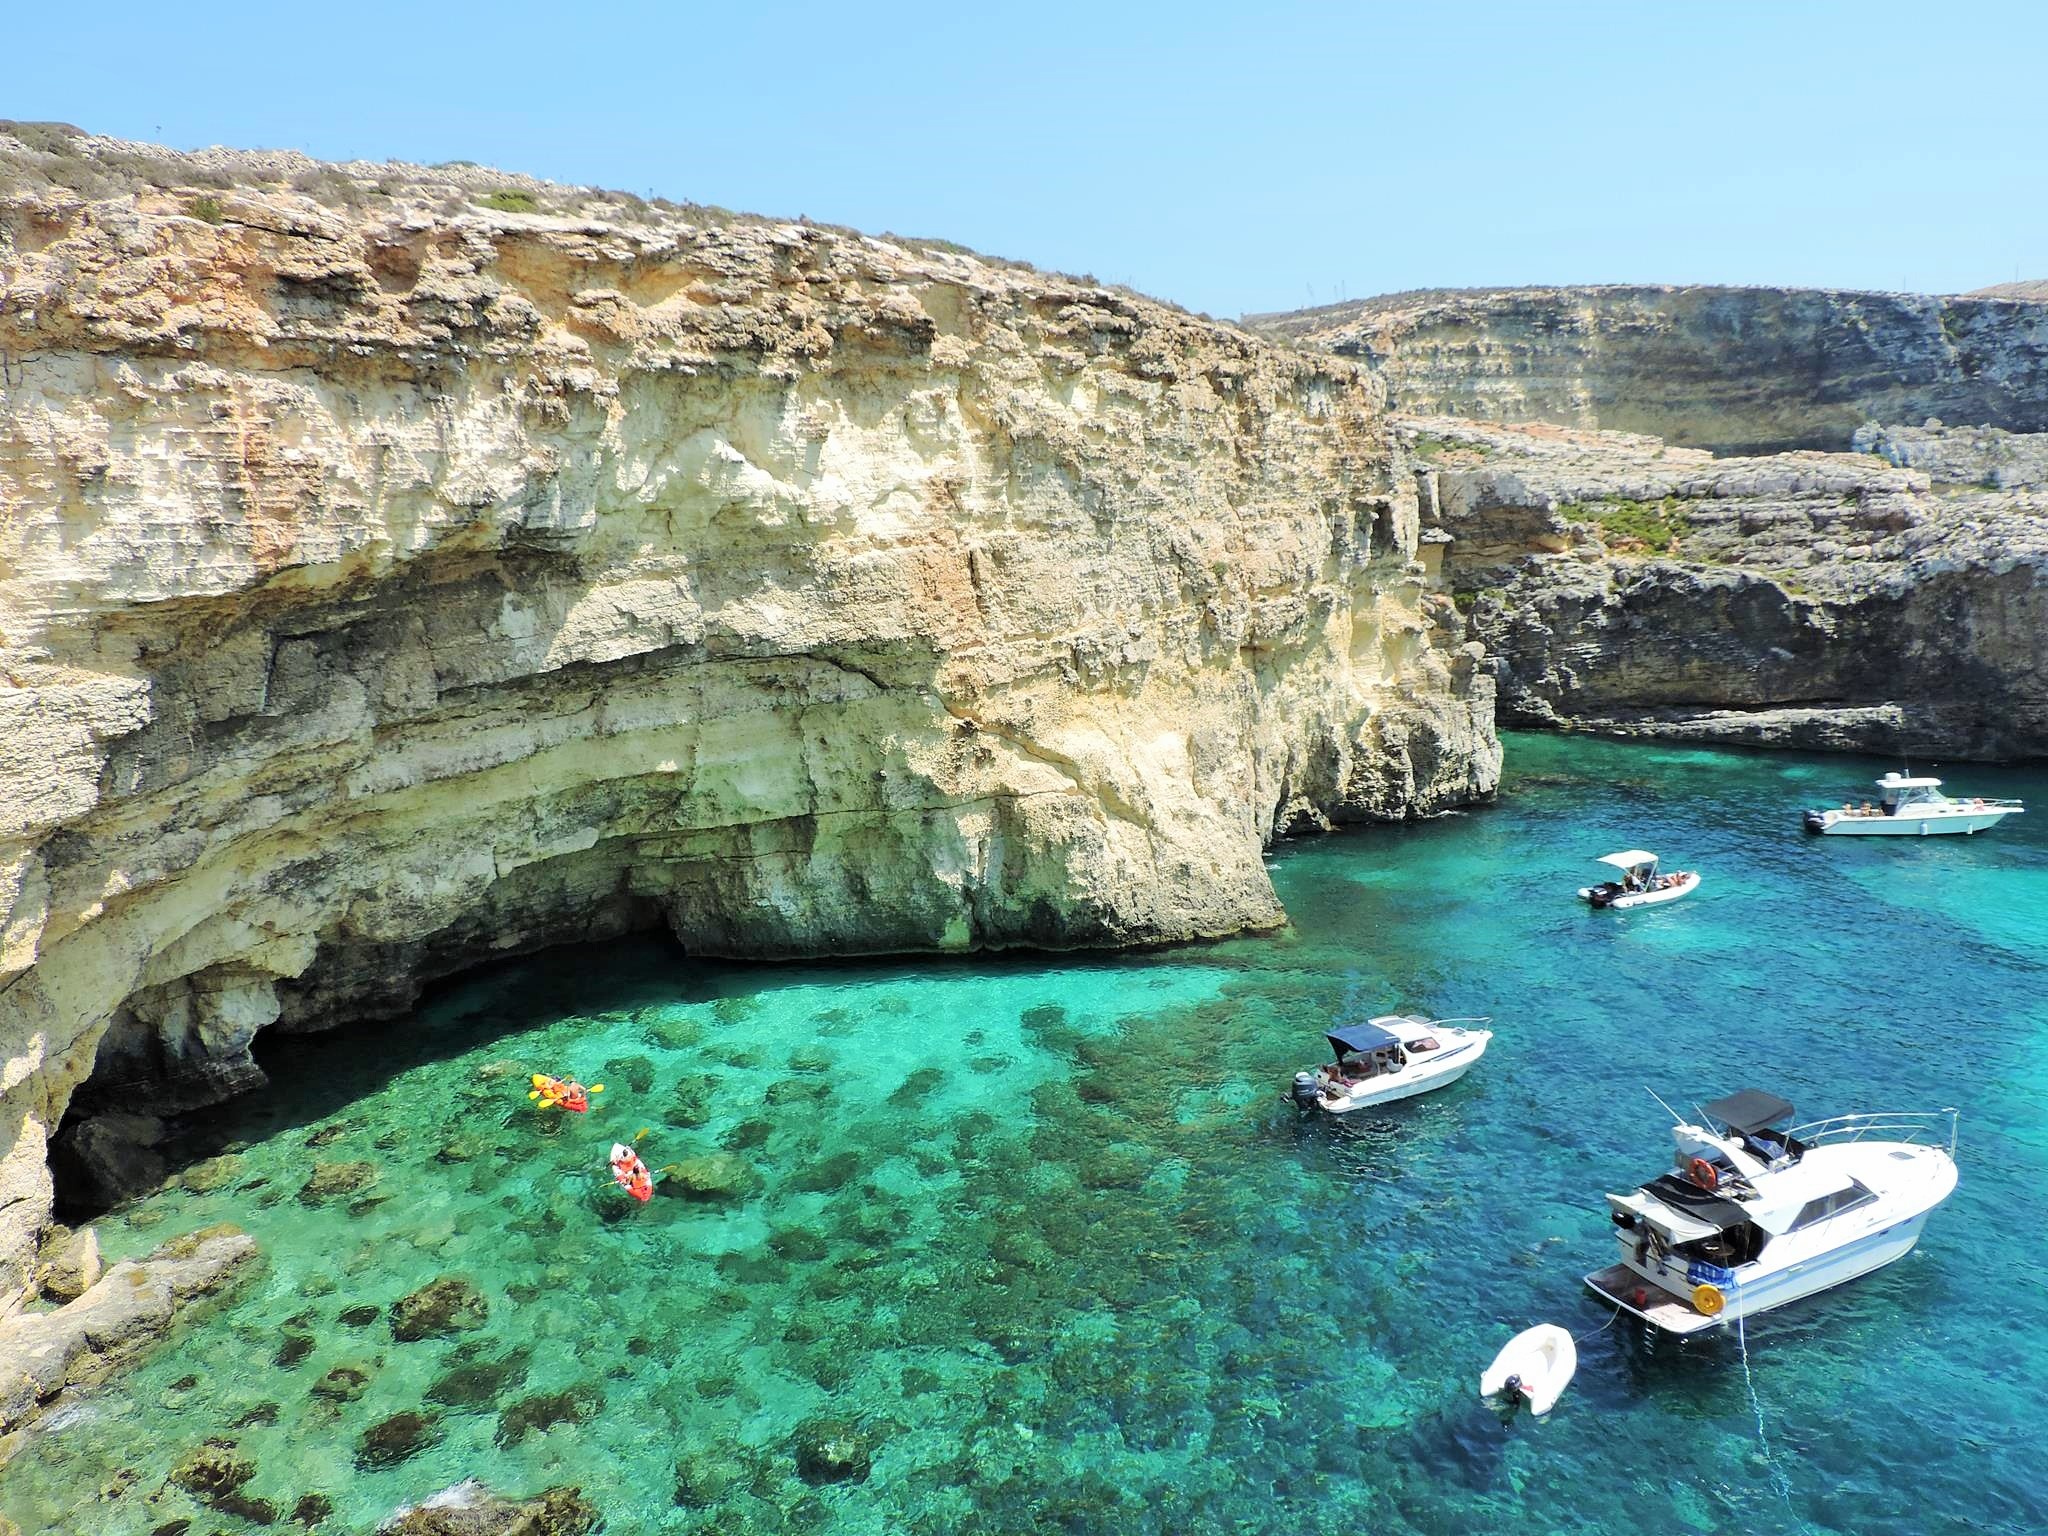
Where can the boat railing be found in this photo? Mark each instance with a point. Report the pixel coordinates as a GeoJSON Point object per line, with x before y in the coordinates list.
{"type": "Point", "coordinates": [1922, 1127]}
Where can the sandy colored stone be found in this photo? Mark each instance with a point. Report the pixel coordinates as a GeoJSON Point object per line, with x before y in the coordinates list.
{"type": "Point", "coordinates": [392, 582]}
{"type": "Point", "coordinates": [1740, 370]}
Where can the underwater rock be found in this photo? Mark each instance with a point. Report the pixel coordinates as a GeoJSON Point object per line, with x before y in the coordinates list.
{"type": "Point", "coordinates": [312, 1509]}
{"type": "Point", "coordinates": [710, 1176]}
{"type": "Point", "coordinates": [831, 1451]}
{"type": "Point", "coordinates": [479, 1383]}
{"type": "Point", "coordinates": [331, 1180]}
{"type": "Point", "coordinates": [471, 1509]}
{"type": "Point", "coordinates": [704, 1477]}
{"type": "Point", "coordinates": [359, 1316]}
{"type": "Point", "coordinates": [399, 1438]}
{"type": "Point", "coordinates": [829, 1173]}
{"type": "Point", "coordinates": [636, 1072]}
{"type": "Point", "coordinates": [796, 1090]}
{"type": "Point", "coordinates": [692, 1097]}
{"type": "Point", "coordinates": [916, 1087]}
{"type": "Point", "coordinates": [800, 1244]}
{"type": "Point", "coordinates": [542, 1411]}
{"type": "Point", "coordinates": [343, 1384]}
{"type": "Point", "coordinates": [748, 1133]}
{"type": "Point", "coordinates": [295, 1348]}
{"type": "Point", "coordinates": [214, 1473]}
{"type": "Point", "coordinates": [210, 1174]}
{"type": "Point", "coordinates": [213, 1470]}
{"type": "Point", "coordinates": [441, 1307]}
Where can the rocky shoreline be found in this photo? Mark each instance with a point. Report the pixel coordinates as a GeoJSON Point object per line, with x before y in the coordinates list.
{"type": "Point", "coordinates": [104, 1321]}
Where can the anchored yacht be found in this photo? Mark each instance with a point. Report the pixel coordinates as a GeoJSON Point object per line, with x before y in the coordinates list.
{"type": "Point", "coordinates": [1908, 807]}
{"type": "Point", "coordinates": [1395, 1056]}
{"type": "Point", "coordinates": [1757, 1215]}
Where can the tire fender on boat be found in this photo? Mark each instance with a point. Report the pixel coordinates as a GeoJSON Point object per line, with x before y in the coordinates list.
{"type": "Point", "coordinates": [1707, 1299]}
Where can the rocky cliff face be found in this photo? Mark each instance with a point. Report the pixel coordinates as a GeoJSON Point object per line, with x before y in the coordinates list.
{"type": "Point", "coordinates": [400, 567]}
{"type": "Point", "coordinates": [1804, 599]}
{"type": "Point", "coordinates": [1740, 370]}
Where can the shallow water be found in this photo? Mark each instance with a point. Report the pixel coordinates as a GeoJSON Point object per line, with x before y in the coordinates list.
{"type": "Point", "coordinates": [1045, 1239]}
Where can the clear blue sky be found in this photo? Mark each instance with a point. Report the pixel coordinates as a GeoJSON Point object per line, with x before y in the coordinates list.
{"type": "Point", "coordinates": [1230, 157]}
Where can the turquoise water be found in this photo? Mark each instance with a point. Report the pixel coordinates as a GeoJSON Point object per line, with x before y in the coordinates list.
{"type": "Point", "coordinates": [1040, 1246]}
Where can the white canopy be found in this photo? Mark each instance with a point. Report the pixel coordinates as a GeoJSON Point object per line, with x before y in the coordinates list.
{"type": "Point", "coordinates": [1900, 781]}
{"type": "Point", "coordinates": [1628, 860]}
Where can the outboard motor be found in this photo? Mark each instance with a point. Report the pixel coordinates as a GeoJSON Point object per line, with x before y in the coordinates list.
{"type": "Point", "coordinates": [1306, 1093]}
{"type": "Point", "coordinates": [1816, 822]}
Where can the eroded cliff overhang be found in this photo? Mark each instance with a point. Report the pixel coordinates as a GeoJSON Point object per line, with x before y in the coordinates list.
{"type": "Point", "coordinates": [383, 587]}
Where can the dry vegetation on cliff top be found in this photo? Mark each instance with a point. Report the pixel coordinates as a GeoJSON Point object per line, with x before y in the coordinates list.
{"type": "Point", "coordinates": [38, 158]}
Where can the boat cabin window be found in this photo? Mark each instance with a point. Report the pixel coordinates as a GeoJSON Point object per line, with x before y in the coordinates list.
{"type": "Point", "coordinates": [1426, 1043]}
{"type": "Point", "coordinates": [1822, 1208]}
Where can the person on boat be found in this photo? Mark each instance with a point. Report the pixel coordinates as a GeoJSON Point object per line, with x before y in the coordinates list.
{"type": "Point", "coordinates": [630, 1173]}
{"type": "Point", "coordinates": [562, 1093]}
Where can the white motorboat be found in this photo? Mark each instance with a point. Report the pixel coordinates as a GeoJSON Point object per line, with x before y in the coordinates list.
{"type": "Point", "coordinates": [1395, 1056]}
{"type": "Point", "coordinates": [1757, 1215]}
{"type": "Point", "coordinates": [1532, 1370]}
{"type": "Point", "coordinates": [1640, 885]}
{"type": "Point", "coordinates": [1908, 807]}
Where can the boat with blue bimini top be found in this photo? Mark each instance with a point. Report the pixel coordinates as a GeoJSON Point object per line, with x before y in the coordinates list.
{"type": "Point", "coordinates": [1758, 1214]}
{"type": "Point", "coordinates": [1394, 1056]}
{"type": "Point", "coordinates": [1909, 807]}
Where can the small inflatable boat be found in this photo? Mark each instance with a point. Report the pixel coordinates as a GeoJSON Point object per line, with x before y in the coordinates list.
{"type": "Point", "coordinates": [1534, 1369]}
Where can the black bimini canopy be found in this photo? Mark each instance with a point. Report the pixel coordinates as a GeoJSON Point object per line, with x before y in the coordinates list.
{"type": "Point", "coordinates": [1683, 1195]}
{"type": "Point", "coordinates": [1359, 1037]}
{"type": "Point", "coordinates": [1749, 1110]}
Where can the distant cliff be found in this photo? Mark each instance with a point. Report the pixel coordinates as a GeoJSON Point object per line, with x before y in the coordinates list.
{"type": "Point", "coordinates": [404, 566]}
{"type": "Point", "coordinates": [1738, 370]}
{"type": "Point", "coordinates": [1800, 599]}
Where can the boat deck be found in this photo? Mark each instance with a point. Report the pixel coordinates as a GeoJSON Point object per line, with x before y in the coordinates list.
{"type": "Point", "coordinates": [1674, 1314]}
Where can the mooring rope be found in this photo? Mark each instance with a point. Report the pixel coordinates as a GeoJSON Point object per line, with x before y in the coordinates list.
{"type": "Point", "coordinates": [1779, 1480]}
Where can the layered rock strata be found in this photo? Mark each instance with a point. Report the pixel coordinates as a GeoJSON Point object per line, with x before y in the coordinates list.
{"type": "Point", "coordinates": [1740, 370]}
{"type": "Point", "coordinates": [1805, 599]}
{"type": "Point", "coordinates": [392, 575]}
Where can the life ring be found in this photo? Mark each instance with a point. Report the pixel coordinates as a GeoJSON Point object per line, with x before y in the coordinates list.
{"type": "Point", "coordinates": [1707, 1299]}
{"type": "Point", "coordinates": [1704, 1174]}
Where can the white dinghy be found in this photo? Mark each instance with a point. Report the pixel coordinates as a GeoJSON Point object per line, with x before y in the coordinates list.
{"type": "Point", "coordinates": [1640, 885]}
{"type": "Point", "coordinates": [1535, 1368]}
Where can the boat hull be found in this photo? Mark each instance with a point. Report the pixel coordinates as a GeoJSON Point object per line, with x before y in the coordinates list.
{"type": "Point", "coordinates": [1835, 824]}
{"type": "Point", "coordinates": [1749, 1295]}
{"type": "Point", "coordinates": [1685, 887]}
{"type": "Point", "coordinates": [1415, 1080]}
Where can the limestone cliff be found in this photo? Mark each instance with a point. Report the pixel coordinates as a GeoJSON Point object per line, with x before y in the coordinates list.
{"type": "Point", "coordinates": [1740, 370]}
{"type": "Point", "coordinates": [399, 566]}
{"type": "Point", "coordinates": [1806, 599]}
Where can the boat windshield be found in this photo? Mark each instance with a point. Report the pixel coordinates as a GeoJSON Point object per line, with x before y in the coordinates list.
{"type": "Point", "coordinates": [1898, 799]}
